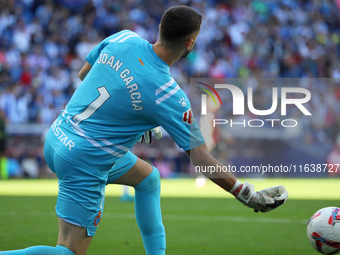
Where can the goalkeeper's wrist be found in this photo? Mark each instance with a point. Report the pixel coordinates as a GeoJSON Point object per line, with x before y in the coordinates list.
{"type": "Point", "coordinates": [236, 188]}
{"type": "Point", "coordinates": [242, 191]}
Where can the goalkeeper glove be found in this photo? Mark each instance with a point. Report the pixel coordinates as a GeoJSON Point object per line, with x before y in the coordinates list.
{"type": "Point", "coordinates": [264, 200]}
{"type": "Point", "coordinates": [147, 137]}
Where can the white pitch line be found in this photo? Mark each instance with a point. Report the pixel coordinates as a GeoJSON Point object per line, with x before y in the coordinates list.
{"type": "Point", "coordinates": [181, 217]}
{"type": "Point", "coordinates": [217, 218]}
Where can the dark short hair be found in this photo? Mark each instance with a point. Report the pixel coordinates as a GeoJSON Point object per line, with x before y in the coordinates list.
{"type": "Point", "coordinates": [178, 22]}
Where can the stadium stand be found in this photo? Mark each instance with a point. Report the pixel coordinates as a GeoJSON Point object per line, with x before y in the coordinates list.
{"type": "Point", "coordinates": [43, 45]}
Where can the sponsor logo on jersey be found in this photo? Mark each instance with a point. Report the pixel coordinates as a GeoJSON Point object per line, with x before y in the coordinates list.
{"type": "Point", "coordinates": [60, 134]}
{"type": "Point", "coordinates": [183, 102]}
{"type": "Point", "coordinates": [188, 117]}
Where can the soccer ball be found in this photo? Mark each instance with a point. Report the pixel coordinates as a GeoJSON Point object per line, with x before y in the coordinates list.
{"type": "Point", "coordinates": [323, 230]}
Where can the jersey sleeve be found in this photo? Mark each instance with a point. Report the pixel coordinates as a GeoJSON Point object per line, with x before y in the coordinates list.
{"type": "Point", "coordinates": [95, 52]}
{"type": "Point", "coordinates": [175, 115]}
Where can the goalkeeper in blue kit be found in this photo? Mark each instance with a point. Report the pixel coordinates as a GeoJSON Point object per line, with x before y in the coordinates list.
{"type": "Point", "coordinates": [127, 90]}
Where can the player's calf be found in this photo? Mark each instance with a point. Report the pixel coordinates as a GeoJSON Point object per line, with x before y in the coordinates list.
{"type": "Point", "coordinates": [148, 214]}
{"type": "Point", "coordinates": [40, 250]}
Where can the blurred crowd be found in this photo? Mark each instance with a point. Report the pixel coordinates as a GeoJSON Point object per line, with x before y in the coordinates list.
{"type": "Point", "coordinates": [43, 44]}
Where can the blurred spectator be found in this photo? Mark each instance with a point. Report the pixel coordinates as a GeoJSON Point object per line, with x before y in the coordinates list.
{"type": "Point", "coordinates": [46, 42]}
{"type": "Point", "coordinates": [30, 166]}
{"type": "Point", "coordinates": [3, 136]}
{"type": "Point", "coordinates": [333, 159]}
{"type": "Point", "coordinates": [9, 167]}
{"type": "Point", "coordinates": [3, 143]}
{"type": "Point", "coordinates": [43, 45]}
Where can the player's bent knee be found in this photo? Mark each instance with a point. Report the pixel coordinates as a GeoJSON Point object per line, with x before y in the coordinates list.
{"type": "Point", "coordinates": [150, 182]}
{"type": "Point", "coordinates": [65, 250]}
{"type": "Point", "coordinates": [73, 238]}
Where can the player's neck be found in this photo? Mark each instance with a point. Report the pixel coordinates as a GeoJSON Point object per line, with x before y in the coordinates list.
{"type": "Point", "coordinates": [167, 55]}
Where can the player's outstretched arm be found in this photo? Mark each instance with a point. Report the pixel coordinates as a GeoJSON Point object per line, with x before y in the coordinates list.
{"type": "Point", "coordinates": [201, 157]}
{"type": "Point", "coordinates": [264, 200]}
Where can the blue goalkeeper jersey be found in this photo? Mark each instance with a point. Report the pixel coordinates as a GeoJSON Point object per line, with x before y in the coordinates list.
{"type": "Point", "coordinates": [128, 91]}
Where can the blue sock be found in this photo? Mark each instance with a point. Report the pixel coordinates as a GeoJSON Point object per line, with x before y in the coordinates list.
{"type": "Point", "coordinates": [148, 214]}
{"type": "Point", "coordinates": [40, 250]}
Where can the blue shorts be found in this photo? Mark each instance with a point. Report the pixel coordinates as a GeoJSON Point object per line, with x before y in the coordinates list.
{"type": "Point", "coordinates": [81, 193]}
{"type": "Point", "coordinates": [121, 166]}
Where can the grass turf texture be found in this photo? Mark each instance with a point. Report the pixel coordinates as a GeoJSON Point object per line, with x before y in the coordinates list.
{"type": "Point", "coordinates": [197, 221]}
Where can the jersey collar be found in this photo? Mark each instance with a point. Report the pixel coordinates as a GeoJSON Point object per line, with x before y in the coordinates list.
{"type": "Point", "coordinates": [159, 63]}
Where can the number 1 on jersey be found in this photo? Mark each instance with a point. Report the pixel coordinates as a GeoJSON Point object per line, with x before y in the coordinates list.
{"type": "Point", "coordinates": [93, 107]}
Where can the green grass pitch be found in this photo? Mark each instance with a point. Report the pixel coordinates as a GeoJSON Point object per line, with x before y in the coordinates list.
{"type": "Point", "coordinates": [197, 221]}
